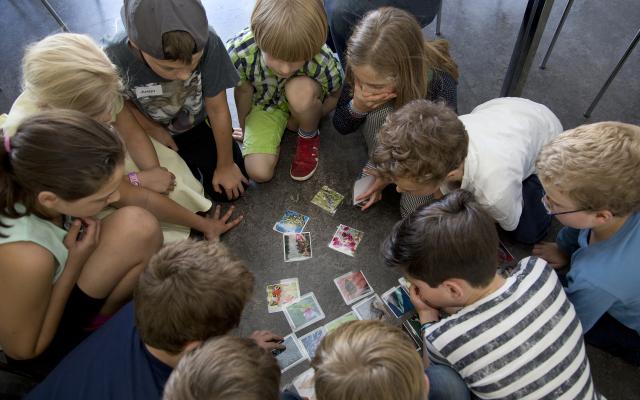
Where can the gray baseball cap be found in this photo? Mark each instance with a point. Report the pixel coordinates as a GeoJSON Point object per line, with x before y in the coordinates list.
{"type": "Point", "coordinates": [147, 20]}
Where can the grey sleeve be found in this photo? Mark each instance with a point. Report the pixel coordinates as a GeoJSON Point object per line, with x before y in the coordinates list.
{"type": "Point", "coordinates": [218, 72]}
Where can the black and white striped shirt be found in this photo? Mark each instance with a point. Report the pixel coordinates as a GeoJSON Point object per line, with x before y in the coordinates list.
{"type": "Point", "coordinates": [523, 341]}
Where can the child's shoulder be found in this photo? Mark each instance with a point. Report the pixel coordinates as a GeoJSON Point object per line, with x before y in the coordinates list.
{"type": "Point", "coordinates": [243, 43]}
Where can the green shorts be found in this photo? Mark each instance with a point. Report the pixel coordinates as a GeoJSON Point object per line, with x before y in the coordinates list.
{"type": "Point", "coordinates": [263, 131]}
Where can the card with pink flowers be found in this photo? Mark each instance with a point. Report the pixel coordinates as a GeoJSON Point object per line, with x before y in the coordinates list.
{"type": "Point", "coordinates": [346, 240]}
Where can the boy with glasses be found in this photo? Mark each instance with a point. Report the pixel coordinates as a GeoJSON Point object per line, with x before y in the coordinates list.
{"type": "Point", "coordinates": [590, 175]}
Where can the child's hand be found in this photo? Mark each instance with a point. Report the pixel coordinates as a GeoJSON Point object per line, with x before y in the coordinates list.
{"type": "Point", "coordinates": [230, 178]}
{"type": "Point", "coordinates": [238, 134]}
{"type": "Point", "coordinates": [551, 253]}
{"type": "Point", "coordinates": [214, 226]}
{"type": "Point", "coordinates": [374, 193]}
{"type": "Point", "coordinates": [82, 243]}
{"type": "Point", "coordinates": [425, 311]}
{"type": "Point", "coordinates": [365, 102]}
{"type": "Point", "coordinates": [158, 179]}
{"type": "Point", "coordinates": [267, 340]}
{"type": "Point", "coordinates": [163, 136]}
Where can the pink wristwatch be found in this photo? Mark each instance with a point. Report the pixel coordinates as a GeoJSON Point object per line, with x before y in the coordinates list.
{"type": "Point", "coordinates": [133, 178]}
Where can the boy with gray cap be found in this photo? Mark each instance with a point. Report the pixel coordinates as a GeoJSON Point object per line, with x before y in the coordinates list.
{"type": "Point", "coordinates": [176, 72]}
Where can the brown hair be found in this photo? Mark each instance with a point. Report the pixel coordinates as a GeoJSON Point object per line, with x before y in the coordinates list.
{"type": "Point", "coordinates": [64, 152]}
{"type": "Point", "coordinates": [390, 41]}
{"type": "Point", "coordinates": [190, 291]}
{"type": "Point", "coordinates": [225, 368]}
{"type": "Point", "coordinates": [178, 46]}
{"type": "Point", "coordinates": [452, 238]}
{"type": "Point", "coordinates": [289, 30]}
{"type": "Point", "coordinates": [422, 141]}
{"type": "Point", "coordinates": [369, 360]}
{"type": "Point", "coordinates": [597, 166]}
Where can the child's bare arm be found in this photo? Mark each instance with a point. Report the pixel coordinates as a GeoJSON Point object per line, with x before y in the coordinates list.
{"type": "Point", "coordinates": [243, 96]}
{"type": "Point", "coordinates": [137, 141]}
{"type": "Point", "coordinates": [227, 176]}
{"type": "Point", "coordinates": [152, 128]}
{"type": "Point", "coordinates": [331, 102]}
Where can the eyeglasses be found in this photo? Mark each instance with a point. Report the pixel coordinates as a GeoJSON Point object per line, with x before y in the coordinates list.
{"type": "Point", "coordinates": [547, 207]}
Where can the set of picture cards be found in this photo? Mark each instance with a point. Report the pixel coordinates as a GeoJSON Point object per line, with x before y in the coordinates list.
{"type": "Point", "coordinates": [304, 312]}
{"type": "Point", "coordinates": [346, 240]}
{"type": "Point", "coordinates": [284, 292]}
{"type": "Point", "coordinates": [327, 199]}
{"type": "Point", "coordinates": [353, 286]}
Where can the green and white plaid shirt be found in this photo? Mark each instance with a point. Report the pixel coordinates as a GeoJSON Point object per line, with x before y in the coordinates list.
{"type": "Point", "coordinates": [269, 93]}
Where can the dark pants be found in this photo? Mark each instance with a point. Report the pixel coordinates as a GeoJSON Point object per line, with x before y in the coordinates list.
{"type": "Point", "coordinates": [534, 221]}
{"type": "Point", "coordinates": [197, 147]}
{"type": "Point", "coordinates": [615, 338]}
{"type": "Point", "coordinates": [344, 15]}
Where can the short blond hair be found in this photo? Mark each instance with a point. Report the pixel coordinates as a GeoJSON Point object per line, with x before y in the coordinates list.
{"type": "Point", "coordinates": [190, 291]}
{"type": "Point", "coordinates": [597, 166]}
{"type": "Point", "coordinates": [289, 30]}
{"type": "Point", "coordinates": [70, 71]}
{"type": "Point", "coordinates": [225, 368]}
{"type": "Point", "coordinates": [369, 360]}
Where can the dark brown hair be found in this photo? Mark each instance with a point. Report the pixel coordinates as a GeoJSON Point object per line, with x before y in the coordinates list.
{"type": "Point", "coordinates": [190, 291]}
{"type": "Point", "coordinates": [178, 46]}
{"type": "Point", "coordinates": [64, 152]}
{"type": "Point", "coordinates": [422, 141]}
{"type": "Point", "coordinates": [453, 238]}
{"type": "Point", "coordinates": [225, 368]}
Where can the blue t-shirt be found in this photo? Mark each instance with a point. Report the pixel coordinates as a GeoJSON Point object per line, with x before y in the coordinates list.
{"type": "Point", "coordinates": [605, 276]}
{"type": "Point", "coordinates": [112, 363]}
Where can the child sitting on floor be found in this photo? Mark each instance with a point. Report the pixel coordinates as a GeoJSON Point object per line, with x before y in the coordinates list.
{"type": "Point", "coordinates": [288, 79]}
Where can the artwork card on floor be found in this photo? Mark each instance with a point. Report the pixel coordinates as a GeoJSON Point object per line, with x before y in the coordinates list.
{"type": "Point", "coordinates": [372, 308]}
{"type": "Point", "coordinates": [327, 199]}
{"type": "Point", "coordinates": [404, 283]}
{"type": "Point", "coordinates": [292, 355]}
{"type": "Point", "coordinates": [296, 246]}
{"type": "Point", "coordinates": [398, 301]}
{"type": "Point", "coordinates": [311, 341]}
{"type": "Point", "coordinates": [304, 384]}
{"type": "Point", "coordinates": [360, 186]}
{"type": "Point", "coordinates": [291, 222]}
{"type": "Point", "coordinates": [346, 240]}
{"type": "Point", "coordinates": [412, 328]}
{"type": "Point", "coordinates": [504, 256]}
{"type": "Point", "coordinates": [284, 292]}
{"type": "Point", "coordinates": [353, 286]}
{"type": "Point", "coordinates": [343, 319]}
{"type": "Point", "coordinates": [304, 312]}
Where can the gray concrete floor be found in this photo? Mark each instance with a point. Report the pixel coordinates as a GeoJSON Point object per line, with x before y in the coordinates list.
{"type": "Point", "coordinates": [482, 34]}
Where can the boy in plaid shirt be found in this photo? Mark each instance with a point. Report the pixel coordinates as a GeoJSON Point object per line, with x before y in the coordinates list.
{"type": "Point", "coordinates": [288, 79]}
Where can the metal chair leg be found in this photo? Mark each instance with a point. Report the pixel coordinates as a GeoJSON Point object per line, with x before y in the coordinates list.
{"type": "Point", "coordinates": [438, 18]}
{"type": "Point", "coordinates": [565, 13]}
{"type": "Point", "coordinates": [604, 88]}
{"type": "Point", "coordinates": [55, 15]}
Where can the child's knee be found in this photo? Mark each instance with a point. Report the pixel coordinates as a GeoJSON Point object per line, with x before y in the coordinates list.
{"type": "Point", "coordinates": [260, 168]}
{"type": "Point", "coordinates": [140, 225]}
{"type": "Point", "coordinates": [302, 94]}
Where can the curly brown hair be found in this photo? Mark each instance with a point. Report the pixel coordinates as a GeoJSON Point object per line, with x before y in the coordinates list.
{"type": "Point", "coordinates": [422, 141]}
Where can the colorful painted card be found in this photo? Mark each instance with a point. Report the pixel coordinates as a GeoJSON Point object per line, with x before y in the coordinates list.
{"type": "Point", "coordinates": [398, 301]}
{"type": "Point", "coordinates": [311, 341]}
{"type": "Point", "coordinates": [327, 199]}
{"type": "Point", "coordinates": [291, 222]}
{"type": "Point", "coordinates": [343, 319]}
{"type": "Point", "coordinates": [296, 246]}
{"type": "Point", "coordinates": [304, 312]}
{"type": "Point", "coordinates": [284, 292]}
{"type": "Point", "coordinates": [346, 240]}
{"type": "Point", "coordinates": [353, 286]}
{"type": "Point", "coordinates": [292, 355]}
{"type": "Point", "coordinates": [371, 308]}
{"type": "Point", "coordinates": [305, 385]}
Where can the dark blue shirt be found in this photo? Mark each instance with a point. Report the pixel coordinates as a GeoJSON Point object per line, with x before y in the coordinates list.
{"type": "Point", "coordinates": [112, 363]}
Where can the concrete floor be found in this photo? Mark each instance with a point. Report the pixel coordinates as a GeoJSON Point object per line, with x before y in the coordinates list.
{"type": "Point", "coordinates": [482, 34]}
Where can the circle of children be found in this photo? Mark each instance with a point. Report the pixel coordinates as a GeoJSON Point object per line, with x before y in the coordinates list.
{"type": "Point", "coordinates": [83, 220]}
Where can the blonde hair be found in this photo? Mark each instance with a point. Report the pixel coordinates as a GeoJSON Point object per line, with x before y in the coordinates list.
{"type": "Point", "coordinates": [225, 368]}
{"type": "Point", "coordinates": [596, 166]}
{"type": "Point", "coordinates": [390, 41]}
{"type": "Point", "coordinates": [70, 71]}
{"type": "Point", "coordinates": [369, 360]}
{"type": "Point", "coordinates": [289, 30]}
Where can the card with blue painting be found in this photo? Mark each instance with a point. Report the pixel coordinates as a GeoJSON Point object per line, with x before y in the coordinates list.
{"type": "Point", "coordinates": [311, 341]}
{"type": "Point", "coordinates": [398, 301]}
{"type": "Point", "coordinates": [291, 222]}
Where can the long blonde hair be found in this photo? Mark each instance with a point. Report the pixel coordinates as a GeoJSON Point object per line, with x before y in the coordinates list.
{"type": "Point", "coordinates": [390, 41]}
{"type": "Point", "coordinates": [70, 71]}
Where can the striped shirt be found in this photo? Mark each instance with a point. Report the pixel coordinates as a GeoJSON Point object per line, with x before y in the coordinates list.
{"type": "Point", "coordinates": [269, 93]}
{"type": "Point", "coordinates": [523, 341]}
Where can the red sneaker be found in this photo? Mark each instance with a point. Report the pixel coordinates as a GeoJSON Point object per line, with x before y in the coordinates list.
{"type": "Point", "coordinates": [305, 162]}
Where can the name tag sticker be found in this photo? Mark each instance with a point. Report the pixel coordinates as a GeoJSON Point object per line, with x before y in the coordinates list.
{"type": "Point", "coordinates": [147, 91]}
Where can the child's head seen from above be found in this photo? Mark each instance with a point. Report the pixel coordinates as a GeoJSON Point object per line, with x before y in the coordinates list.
{"type": "Point", "coordinates": [170, 35]}
{"type": "Point", "coordinates": [289, 32]}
